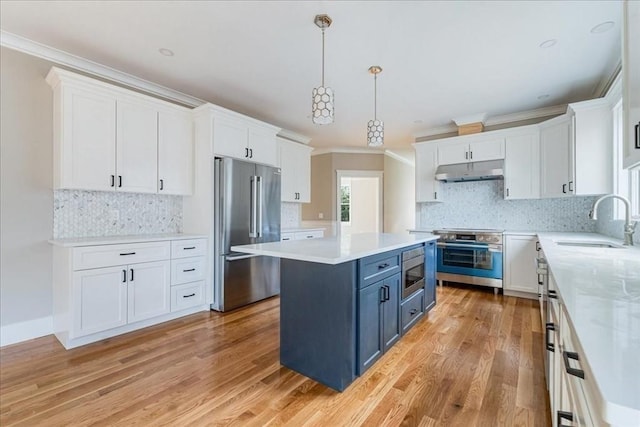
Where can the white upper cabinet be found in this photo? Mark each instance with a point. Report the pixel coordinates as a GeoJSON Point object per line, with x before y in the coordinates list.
{"type": "Point", "coordinates": [107, 138]}
{"type": "Point", "coordinates": [591, 166]}
{"type": "Point", "coordinates": [84, 139]}
{"type": "Point", "coordinates": [136, 146]}
{"type": "Point", "coordinates": [521, 165]}
{"type": "Point", "coordinates": [427, 188]}
{"type": "Point", "coordinates": [555, 141]}
{"type": "Point", "coordinates": [175, 152]}
{"type": "Point", "coordinates": [631, 82]}
{"type": "Point", "coordinates": [295, 165]}
{"type": "Point", "coordinates": [241, 137]}
{"type": "Point", "coordinates": [470, 148]}
{"type": "Point", "coordinates": [576, 151]}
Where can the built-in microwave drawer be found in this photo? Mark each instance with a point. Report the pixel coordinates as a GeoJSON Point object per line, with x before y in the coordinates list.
{"type": "Point", "coordinates": [187, 296]}
{"type": "Point", "coordinates": [412, 310]}
{"type": "Point", "coordinates": [188, 248]}
{"type": "Point", "coordinates": [185, 270]}
{"type": "Point", "coordinates": [377, 267]}
{"type": "Point", "coordinates": [87, 257]}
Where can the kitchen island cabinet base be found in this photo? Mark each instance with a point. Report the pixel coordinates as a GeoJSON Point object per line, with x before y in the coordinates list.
{"type": "Point", "coordinates": [318, 320]}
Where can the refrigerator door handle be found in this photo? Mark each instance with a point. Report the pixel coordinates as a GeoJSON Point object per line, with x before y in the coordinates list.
{"type": "Point", "coordinates": [253, 222]}
{"type": "Point", "coordinates": [260, 202]}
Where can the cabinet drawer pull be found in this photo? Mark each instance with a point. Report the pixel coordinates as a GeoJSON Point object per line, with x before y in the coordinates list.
{"type": "Point", "coordinates": [562, 415]}
{"type": "Point", "coordinates": [413, 311]}
{"type": "Point", "coordinates": [566, 355]}
{"type": "Point", "coordinates": [132, 274]}
{"type": "Point", "coordinates": [286, 238]}
{"type": "Point", "coordinates": [381, 266]}
{"type": "Point", "coordinates": [549, 327]}
{"type": "Point", "coordinates": [188, 270]}
{"type": "Point", "coordinates": [188, 296]}
{"type": "Point", "coordinates": [189, 248]}
{"type": "Point", "coordinates": [309, 237]}
{"type": "Point", "coordinates": [552, 294]}
{"type": "Point", "coordinates": [128, 253]}
{"type": "Point", "coordinates": [124, 276]}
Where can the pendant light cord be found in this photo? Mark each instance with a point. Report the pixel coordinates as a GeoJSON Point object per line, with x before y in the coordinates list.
{"type": "Point", "coordinates": [323, 57]}
{"type": "Point", "coordinates": [375, 97]}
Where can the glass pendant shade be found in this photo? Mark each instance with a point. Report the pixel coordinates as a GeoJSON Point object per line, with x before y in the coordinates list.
{"type": "Point", "coordinates": [375, 133]}
{"type": "Point", "coordinates": [322, 105]}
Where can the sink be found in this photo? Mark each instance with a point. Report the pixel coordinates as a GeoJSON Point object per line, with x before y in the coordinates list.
{"type": "Point", "coordinates": [589, 244]}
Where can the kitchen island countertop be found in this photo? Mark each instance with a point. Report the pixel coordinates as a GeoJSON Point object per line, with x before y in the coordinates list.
{"type": "Point", "coordinates": [336, 250]}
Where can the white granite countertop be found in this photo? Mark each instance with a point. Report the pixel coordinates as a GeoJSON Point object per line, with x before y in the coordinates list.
{"type": "Point", "coordinates": [296, 229]}
{"type": "Point", "coordinates": [336, 250]}
{"type": "Point", "coordinates": [114, 240]}
{"type": "Point", "coordinates": [600, 289]}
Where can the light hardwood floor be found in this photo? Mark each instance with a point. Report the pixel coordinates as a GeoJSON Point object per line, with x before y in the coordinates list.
{"type": "Point", "coordinates": [475, 360]}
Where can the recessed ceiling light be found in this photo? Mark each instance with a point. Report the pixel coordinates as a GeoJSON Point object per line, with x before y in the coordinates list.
{"type": "Point", "coordinates": [545, 96]}
{"type": "Point", "coordinates": [604, 27]}
{"type": "Point", "coordinates": [548, 43]}
{"type": "Point", "coordinates": [166, 52]}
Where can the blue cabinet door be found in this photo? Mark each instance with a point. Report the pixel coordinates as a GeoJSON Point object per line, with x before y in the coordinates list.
{"type": "Point", "coordinates": [391, 312]}
{"type": "Point", "coordinates": [369, 319]}
{"type": "Point", "coordinates": [431, 264]}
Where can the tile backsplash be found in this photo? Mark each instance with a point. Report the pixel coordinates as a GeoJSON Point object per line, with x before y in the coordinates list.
{"type": "Point", "coordinates": [93, 214]}
{"type": "Point", "coordinates": [289, 215]}
{"type": "Point", "coordinates": [481, 204]}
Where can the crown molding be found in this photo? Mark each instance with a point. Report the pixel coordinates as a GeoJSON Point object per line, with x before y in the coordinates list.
{"type": "Point", "coordinates": [553, 110]}
{"type": "Point", "coordinates": [399, 158]}
{"type": "Point", "coordinates": [608, 80]}
{"type": "Point", "coordinates": [30, 47]}
{"type": "Point", "coordinates": [346, 150]}
{"type": "Point", "coordinates": [294, 136]}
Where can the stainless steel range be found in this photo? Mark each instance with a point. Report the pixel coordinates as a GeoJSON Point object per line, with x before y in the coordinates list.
{"type": "Point", "coordinates": [470, 256]}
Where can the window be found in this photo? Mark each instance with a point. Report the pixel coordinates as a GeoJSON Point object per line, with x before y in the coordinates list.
{"type": "Point", "coordinates": [345, 203]}
{"type": "Point", "coordinates": [626, 182]}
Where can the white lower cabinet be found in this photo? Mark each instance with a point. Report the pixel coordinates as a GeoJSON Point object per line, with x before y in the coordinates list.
{"type": "Point", "coordinates": [520, 274]}
{"type": "Point", "coordinates": [99, 300]}
{"type": "Point", "coordinates": [97, 296]}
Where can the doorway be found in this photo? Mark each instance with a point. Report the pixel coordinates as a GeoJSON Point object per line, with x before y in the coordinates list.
{"type": "Point", "coordinates": [359, 202]}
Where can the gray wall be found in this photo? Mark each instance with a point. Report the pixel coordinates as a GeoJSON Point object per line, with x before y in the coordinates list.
{"type": "Point", "coordinates": [26, 198]}
{"type": "Point", "coordinates": [481, 205]}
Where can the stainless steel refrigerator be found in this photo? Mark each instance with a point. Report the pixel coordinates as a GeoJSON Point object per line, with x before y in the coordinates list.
{"type": "Point", "coordinates": [246, 210]}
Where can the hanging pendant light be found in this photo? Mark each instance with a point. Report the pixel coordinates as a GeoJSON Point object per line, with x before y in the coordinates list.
{"type": "Point", "coordinates": [322, 97]}
{"type": "Point", "coordinates": [375, 127]}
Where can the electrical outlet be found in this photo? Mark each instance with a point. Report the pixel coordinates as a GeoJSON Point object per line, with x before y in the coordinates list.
{"type": "Point", "coordinates": [320, 215]}
{"type": "Point", "coordinates": [114, 215]}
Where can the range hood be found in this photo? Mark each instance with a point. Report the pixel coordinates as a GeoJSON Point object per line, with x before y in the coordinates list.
{"type": "Point", "coordinates": [475, 171]}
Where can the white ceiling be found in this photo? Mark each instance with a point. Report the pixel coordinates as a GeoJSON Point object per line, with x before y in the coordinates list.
{"type": "Point", "coordinates": [441, 60]}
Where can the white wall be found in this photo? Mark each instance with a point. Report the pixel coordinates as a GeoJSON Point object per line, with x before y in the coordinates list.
{"type": "Point", "coordinates": [399, 195]}
{"type": "Point", "coordinates": [26, 196]}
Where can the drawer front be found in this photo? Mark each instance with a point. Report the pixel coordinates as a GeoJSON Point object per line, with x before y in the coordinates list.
{"type": "Point", "coordinates": [378, 267]}
{"type": "Point", "coordinates": [188, 248]}
{"type": "Point", "coordinates": [287, 236]}
{"type": "Point", "coordinates": [185, 270]}
{"type": "Point", "coordinates": [412, 310]}
{"type": "Point", "coordinates": [186, 296]}
{"type": "Point", "coordinates": [316, 234]}
{"type": "Point", "coordinates": [88, 257]}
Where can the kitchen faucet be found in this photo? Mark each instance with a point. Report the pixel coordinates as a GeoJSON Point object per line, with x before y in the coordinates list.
{"type": "Point", "coordinates": [629, 226]}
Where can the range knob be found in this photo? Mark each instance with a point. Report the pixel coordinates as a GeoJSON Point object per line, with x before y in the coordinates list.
{"type": "Point", "coordinates": [480, 238]}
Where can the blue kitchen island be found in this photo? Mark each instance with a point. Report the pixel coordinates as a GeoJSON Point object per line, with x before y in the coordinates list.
{"type": "Point", "coordinates": [344, 301]}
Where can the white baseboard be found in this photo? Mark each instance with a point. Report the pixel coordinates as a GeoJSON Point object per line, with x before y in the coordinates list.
{"type": "Point", "coordinates": [23, 331]}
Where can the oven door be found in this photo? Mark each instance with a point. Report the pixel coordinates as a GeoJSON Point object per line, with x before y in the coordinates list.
{"type": "Point", "coordinates": [470, 259]}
